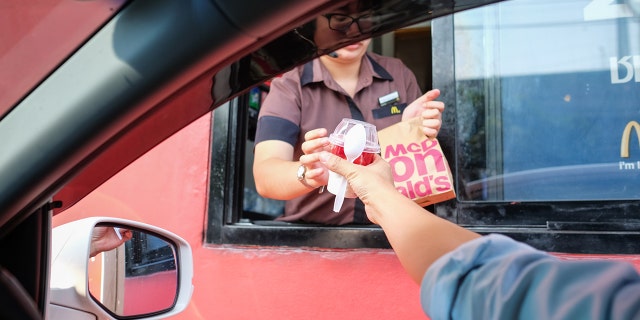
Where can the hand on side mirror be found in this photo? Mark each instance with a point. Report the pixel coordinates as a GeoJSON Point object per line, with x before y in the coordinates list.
{"type": "Point", "coordinates": [112, 268]}
{"type": "Point", "coordinates": [135, 279]}
{"type": "Point", "coordinates": [107, 238]}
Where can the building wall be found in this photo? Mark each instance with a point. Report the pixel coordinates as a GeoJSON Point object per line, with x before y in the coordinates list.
{"type": "Point", "coordinates": [168, 188]}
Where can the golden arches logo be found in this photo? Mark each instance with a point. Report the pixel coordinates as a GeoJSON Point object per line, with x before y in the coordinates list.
{"type": "Point", "coordinates": [626, 135]}
{"type": "Point", "coordinates": [395, 110]}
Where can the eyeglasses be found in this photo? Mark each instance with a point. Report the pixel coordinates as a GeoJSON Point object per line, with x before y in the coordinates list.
{"type": "Point", "coordinates": [342, 22]}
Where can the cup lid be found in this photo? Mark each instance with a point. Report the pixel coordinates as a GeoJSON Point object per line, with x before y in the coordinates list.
{"type": "Point", "coordinates": [337, 137]}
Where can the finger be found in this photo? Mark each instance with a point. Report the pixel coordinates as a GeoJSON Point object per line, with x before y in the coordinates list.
{"type": "Point", "coordinates": [315, 170]}
{"type": "Point", "coordinates": [431, 114]}
{"type": "Point", "coordinates": [432, 123]}
{"type": "Point", "coordinates": [430, 132]}
{"type": "Point", "coordinates": [335, 163]}
{"type": "Point", "coordinates": [432, 94]}
{"type": "Point", "coordinates": [315, 145]}
{"type": "Point", "coordinates": [315, 134]}
{"type": "Point", "coordinates": [434, 105]}
{"type": "Point", "coordinates": [310, 160]}
{"type": "Point", "coordinates": [320, 174]}
{"type": "Point", "coordinates": [126, 234]}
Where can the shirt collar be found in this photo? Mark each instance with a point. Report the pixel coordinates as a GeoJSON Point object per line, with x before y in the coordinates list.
{"type": "Point", "coordinates": [311, 71]}
{"type": "Point", "coordinates": [379, 71]}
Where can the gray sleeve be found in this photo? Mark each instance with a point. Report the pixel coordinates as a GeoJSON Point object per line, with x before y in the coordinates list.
{"type": "Point", "coordinates": [494, 277]}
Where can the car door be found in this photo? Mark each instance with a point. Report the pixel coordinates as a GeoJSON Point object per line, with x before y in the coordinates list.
{"type": "Point", "coordinates": [85, 87]}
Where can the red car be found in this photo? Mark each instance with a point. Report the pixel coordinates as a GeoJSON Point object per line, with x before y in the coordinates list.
{"type": "Point", "coordinates": [135, 118]}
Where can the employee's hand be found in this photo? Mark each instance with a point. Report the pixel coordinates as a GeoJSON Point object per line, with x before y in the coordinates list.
{"type": "Point", "coordinates": [429, 110]}
{"type": "Point", "coordinates": [315, 142]}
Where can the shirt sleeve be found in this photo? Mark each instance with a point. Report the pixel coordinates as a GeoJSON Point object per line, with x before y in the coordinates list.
{"type": "Point", "coordinates": [279, 117]}
{"type": "Point", "coordinates": [495, 277]}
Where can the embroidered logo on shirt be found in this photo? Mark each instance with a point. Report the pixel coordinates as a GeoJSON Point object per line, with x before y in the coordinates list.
{"type": "Point", "coordinates": [389, 110]}
{"type": "Point", "coordinates": [389, 106]}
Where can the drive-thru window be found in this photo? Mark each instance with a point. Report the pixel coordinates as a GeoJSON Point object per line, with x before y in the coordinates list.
{"type": "Point", "coordinates": [542, 130]}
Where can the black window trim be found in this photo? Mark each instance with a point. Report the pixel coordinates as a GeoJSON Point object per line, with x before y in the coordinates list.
{"type": "Point", "coordinates": [225, 225]}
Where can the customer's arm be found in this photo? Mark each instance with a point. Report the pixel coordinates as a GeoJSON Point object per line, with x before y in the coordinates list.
{"type": "Point", "coordinates": [417, 236]}
{"type": "Point", "coordinates": [493, 277]}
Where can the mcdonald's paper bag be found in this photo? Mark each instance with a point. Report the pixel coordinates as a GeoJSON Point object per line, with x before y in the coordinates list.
{"type": "Point", "coordinates": [420, 170]}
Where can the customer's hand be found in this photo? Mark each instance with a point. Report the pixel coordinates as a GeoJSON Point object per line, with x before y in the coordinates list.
{"type": "Point", "coordinates": [106, 239]}
{"type": "Point", "coordinates": [417, 236]}
{"type": "Point", "coordinates": [371, 183]}
{"type": "Point", "coordinates": [429, 110]}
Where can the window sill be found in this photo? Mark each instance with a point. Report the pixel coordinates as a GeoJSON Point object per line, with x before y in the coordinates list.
{"type": "Point", "coordinates": [274, 233]}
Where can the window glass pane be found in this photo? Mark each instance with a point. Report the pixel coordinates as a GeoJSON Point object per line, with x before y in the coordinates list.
{"type": "Point", "coordinates": [544, 92]}
{"type": "Point", "coordinates": [256, 206]}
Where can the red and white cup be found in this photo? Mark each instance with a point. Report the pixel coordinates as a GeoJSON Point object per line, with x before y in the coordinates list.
{"type": "Point", "coordinates": [337, 147]}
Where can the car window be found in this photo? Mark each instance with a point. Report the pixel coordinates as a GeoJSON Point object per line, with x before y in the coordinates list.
{"type": "Point", "coordinates": [541, 129]}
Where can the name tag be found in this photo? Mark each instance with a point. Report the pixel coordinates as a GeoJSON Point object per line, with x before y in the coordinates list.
{"type": "Point", "coordinates": [388, 99]}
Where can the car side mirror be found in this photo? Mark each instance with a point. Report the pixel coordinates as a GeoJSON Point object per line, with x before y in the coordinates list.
{"type": "Point", "coordinates": [112, 268]}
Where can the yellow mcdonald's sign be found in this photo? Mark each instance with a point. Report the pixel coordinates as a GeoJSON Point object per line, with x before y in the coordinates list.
{"type": "Point", "coordinates": [395, 110]}
{"type": "Point", "coordinates": [626, 135]}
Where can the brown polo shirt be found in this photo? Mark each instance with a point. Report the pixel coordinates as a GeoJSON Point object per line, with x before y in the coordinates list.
{"type": "Point", "coordinates": [307, 98]}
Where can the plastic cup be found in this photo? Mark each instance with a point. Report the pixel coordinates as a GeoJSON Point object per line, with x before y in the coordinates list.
{"type": "Point", "coordinates": [337, 147]}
